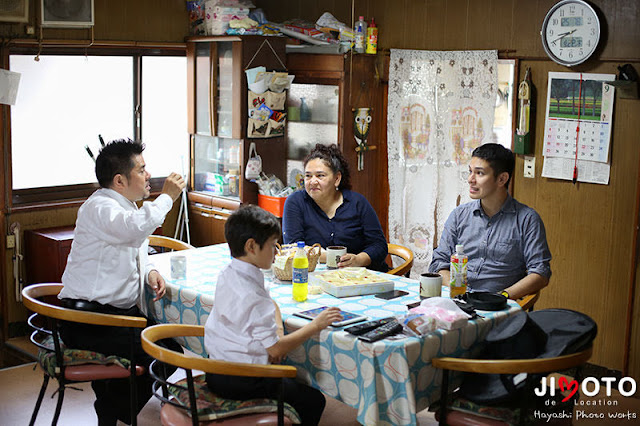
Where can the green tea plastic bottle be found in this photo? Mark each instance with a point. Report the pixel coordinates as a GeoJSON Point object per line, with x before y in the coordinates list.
{"type": "Point", "coordinates": [458, 272]}
{"type": "Point", "coordinates": [300, 280]}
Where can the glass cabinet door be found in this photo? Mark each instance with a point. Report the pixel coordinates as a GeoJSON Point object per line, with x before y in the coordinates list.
{"type": "Point", "coordinates": [217, 165]}
{"type": "Point", "coordinates": [225, 99]}
{"type": "Point", "coordinates": [203, 88]}
{"type": "Point", "coordinates": [214, 88]}
{"type": "Point", "coordinates": [313, 118]}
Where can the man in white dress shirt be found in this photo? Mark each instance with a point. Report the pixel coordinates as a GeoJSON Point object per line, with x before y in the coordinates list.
{"type": "Point", "coordinates": [108, 266]}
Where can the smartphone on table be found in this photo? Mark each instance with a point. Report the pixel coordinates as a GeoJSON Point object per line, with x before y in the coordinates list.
{"type": "Point", "coordinates": [391, 294]}
{"type": "Point", "coordinates": [347, 317]}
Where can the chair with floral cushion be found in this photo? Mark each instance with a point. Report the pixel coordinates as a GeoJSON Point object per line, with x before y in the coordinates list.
{"type": "Point", "coordinates": [68, 365]}
{"type": "Point", "coordinates": [191, 401]}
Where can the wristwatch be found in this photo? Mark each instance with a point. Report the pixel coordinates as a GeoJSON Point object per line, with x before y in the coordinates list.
{"type": "Point", "coordinates": [505, 293]}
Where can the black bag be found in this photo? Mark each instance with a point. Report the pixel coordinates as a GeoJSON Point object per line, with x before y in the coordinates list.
{"type": "Point", "coordinates": [540, 334]}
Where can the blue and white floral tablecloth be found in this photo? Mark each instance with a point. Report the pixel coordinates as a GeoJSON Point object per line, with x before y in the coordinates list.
{"type": "Point", "coordinates": [388, 381]}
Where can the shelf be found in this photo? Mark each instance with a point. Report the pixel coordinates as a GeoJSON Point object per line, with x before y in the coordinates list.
{"type": "Point", "coordinates": [231, 198]}
{"type": "Point", "coordinates": [333, 123]}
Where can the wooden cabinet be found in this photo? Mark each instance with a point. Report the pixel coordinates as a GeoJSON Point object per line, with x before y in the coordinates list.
{"type": "Point", "coordinates": [217, 122]}
{"type": "Point", "coordinates": [207, 216]}
{"type": "Point", "coordinates": [46, 252]}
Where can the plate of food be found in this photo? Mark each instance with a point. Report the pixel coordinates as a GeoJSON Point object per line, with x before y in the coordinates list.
{"type": "Point", "coordinates": [356, 281]}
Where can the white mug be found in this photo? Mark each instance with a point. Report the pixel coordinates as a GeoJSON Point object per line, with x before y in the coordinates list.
{"type": "Point", "coordinates": [178, 267]}
{"type": "Point", "coordinates": [430, 285]}
{"type": "Point", "coordinates": [334, 253]}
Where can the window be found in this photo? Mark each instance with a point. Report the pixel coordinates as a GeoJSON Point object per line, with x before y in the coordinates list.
{"type": "Point", "coordinates": [164, 115]}
{"type": "Point", "coordinates": [65, 101]}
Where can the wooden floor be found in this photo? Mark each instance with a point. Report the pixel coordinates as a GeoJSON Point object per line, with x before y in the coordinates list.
{"type": "Point", "coordinates": [19, 389]}
{"type": "Point", "coordinates": [19, 386]}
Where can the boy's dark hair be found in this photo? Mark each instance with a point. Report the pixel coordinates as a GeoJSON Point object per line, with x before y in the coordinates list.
{"type": "Point", "coordinates": [334, 159]}
{"type": "Point", "coordinates": [116, 158]}
{"type": "Point", "coordinates": [499, 158]}
{"type": "Point", "coordinates": [249, 221]}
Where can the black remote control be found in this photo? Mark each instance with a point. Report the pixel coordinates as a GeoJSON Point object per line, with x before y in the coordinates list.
{"type": "Point", "coordinates": [363, 327]}
{"type": "Point", "coordinates": [381, 332]}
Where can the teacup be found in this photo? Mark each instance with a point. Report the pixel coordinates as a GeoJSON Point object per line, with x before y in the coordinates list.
{"type": "Point", "coordinates": [430, 285]}
{"type": "Point", "coordinates": [334, 254]}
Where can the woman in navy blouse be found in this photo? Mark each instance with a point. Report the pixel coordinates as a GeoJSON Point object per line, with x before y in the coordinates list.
{"type": "Point", "coordinates": [329, 213]}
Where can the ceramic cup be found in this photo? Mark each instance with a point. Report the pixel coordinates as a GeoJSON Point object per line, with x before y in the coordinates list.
{"type": "Point", "coordinates": [178, 267]}
{"type": "Point", "coordinates": [334, 253]}
{"type": "Point", "coordinates": [430, 285]}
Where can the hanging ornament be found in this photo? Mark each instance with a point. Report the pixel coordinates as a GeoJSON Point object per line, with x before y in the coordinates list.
{"type": "Point", "coordinates": [361, 127]}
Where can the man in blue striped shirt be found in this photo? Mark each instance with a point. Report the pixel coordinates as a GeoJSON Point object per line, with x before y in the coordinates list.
{"type": "Point", "coordinates": [505, 240]}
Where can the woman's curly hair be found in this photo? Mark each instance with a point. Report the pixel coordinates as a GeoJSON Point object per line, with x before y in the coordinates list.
{"type": "Point", "coordinates": [334, 159]}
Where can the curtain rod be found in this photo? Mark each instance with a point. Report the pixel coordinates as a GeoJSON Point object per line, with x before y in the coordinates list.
{"type": "Point", "coordinates": [96, 43]}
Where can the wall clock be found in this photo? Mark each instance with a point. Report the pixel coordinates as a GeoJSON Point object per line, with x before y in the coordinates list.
{"type": "Point", "coordinates": [570, 32]}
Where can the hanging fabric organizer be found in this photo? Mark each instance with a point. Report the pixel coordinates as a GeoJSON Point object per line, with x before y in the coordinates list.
{"type": "Point", "coordinates": [266, 98]}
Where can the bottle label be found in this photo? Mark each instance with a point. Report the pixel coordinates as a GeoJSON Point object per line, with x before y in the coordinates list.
{"type": "Point", "coordinates": [372, 42]}
{"type": "Point", "coordinates": [458, 274]}
{"type": "Point", "coordinates": [300, 275]}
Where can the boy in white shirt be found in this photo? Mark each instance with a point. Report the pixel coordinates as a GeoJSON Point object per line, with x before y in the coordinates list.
{"type": "Point", "coordinates": [245, 323]}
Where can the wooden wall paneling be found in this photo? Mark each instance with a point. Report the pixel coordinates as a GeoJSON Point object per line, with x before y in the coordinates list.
{"type": "Point", "coordinates": [626, 151]}
{"type": "Point", "coordinates": [624, 31]}
{"type": "Point", "coordinates": [527, 20]}
{"type": "Point", "coordinates": [389, 18]}
{"type": "Point", "coordinates": [381, 202]}
{"type": "Point", "coordinates": [361, 7]}
{"type": "Point", "coordinates": [286, 9]}
{"type": "Point", "coordinates": [456, 25]}
{"type": "Point", "coordinates": [435, 25]}
{"type": "Point", "coordinates": [341, 10]}
{"type": "Point", "coordinates": [590, 243]}
{"type": "Point", "coordinates": [414, 29]}
{"type": "Point", "coordinates": [142, 20]}
{"type": "Point", "coordinates": [477, 36]}
{"type": "Point", "coordinates": [607, 10]}
{"type": "Point", "coordinates": [362, 87]}
{"type": "Point", "coordinates": [501, 24]}
{"type": "Point", "coordinates": [30, 220]}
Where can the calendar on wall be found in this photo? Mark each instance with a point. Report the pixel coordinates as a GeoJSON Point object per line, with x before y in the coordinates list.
{"type": "Point", "coordinates": [578, 125]}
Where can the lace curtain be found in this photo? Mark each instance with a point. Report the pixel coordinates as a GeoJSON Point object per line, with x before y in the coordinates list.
{"type": "Point", "coordinates": [441, 107]}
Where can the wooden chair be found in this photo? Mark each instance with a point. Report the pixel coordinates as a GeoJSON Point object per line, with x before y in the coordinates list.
{"type": "Point", "coordinates": [167, 243]}
{"type": "Point", "coordinates": [68, 365]}
{"type": "Point", "coordinates": [174, 411]}
{"type": "Point", "coordinates": [497, 366]}
{"type": "Point", "coordinates": [405, 254]}
{"type": "Point", "coordinates": [527, 302]}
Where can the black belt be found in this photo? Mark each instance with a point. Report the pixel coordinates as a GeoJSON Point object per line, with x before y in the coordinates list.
{"type": "Point", "coordinates": [86, 305]}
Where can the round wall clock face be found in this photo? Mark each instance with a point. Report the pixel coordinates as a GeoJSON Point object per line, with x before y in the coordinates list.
{"type": "Point", "coordinates": [570, 32]}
